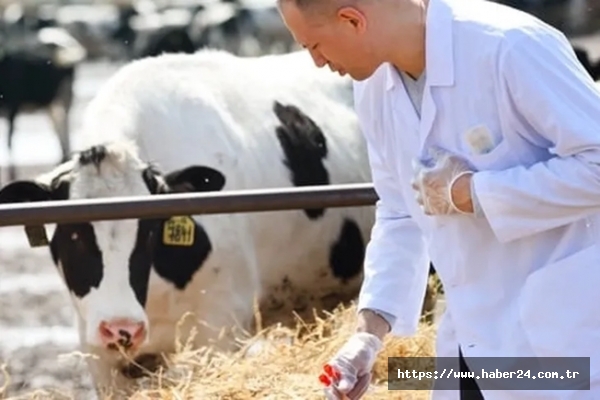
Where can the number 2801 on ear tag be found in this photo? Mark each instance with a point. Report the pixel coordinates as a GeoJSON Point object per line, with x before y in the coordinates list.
{"type": "Point", "coordinates": [179, 231]}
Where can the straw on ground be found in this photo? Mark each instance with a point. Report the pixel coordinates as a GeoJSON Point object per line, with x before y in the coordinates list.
{"type": "Point", "coordinates": [278, 363]}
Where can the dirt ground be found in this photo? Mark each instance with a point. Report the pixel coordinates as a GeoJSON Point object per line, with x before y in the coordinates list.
{"type": "Point", "coordinates": [37, 330]}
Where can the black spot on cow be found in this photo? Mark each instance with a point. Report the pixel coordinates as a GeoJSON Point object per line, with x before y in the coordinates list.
{"type": "Point", "coordinates": [305, 147]}
{"type": "Point", "coordinates": [140, 260]}
{"type": "Point", "coordinates": [76, 248]}
{"type": "Point", "coordinates": [176, 264]}
{"type": "Point", "coordinates": [93, 156]}
{"type": "Point", "coordinates": [348, 252]}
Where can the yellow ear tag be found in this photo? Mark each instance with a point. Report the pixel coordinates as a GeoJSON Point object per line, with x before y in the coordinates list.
{"type": "Point", "coordinates": [179, 231]}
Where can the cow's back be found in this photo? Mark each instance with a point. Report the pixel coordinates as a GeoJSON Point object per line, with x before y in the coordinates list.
{"type": "Point", "coordinates": [216, 109]}
{"type": "Point", "coordinates": [314, 252]}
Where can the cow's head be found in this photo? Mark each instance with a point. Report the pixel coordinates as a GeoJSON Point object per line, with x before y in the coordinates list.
{"type": "Point", "coordinates": [106, 264]}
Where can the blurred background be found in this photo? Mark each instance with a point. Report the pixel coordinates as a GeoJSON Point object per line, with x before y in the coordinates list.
{"type": "Point", "coordinates": [43, 62]}
{"type": "Point", "coordinates": [54, 56]}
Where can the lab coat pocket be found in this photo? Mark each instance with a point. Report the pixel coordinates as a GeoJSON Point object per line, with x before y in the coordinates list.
{"type": "Point", "coordinates": [558, 307]}
{"type": "Point", "coordinates": [486, 150]}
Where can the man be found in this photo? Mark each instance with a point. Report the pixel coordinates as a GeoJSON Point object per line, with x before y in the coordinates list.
{"type": "Point", "coordinates": [483, 132]}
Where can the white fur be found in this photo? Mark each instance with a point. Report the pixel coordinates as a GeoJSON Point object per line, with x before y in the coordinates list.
{"type": "Point", "coordinates": [212, 108]}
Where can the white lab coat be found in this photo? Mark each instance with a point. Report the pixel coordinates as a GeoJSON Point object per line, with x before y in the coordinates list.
{"type": "Point", "coordinates": [525, 279]}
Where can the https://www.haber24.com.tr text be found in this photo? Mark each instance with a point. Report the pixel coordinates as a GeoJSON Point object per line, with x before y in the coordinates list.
{"type": "Point", "coordinates": [497, 374]}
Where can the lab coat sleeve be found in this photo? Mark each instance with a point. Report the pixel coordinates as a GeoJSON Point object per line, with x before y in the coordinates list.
{"type": "Point", "coordinates": [550, 93]}
{"type": "Point", "coordinates": [396, 265]}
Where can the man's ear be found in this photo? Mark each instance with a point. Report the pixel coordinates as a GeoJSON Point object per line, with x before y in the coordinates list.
{"type": "Point", "coordinates": [28, 191]}
{"type": "Point", "coordinates": [355, 17]}
{"type": "Point", "coordinates": [195, 179]}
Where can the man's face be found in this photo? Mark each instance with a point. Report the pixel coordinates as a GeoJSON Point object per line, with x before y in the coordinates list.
{"type": "Point", "coordinates": [340, 40]}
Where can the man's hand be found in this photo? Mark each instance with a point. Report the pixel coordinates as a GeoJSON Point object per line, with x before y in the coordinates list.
{"type": "Point", "coordinates": [348, 374]}
{"type": "Point", "coordinates": [461, 193]}
{"type": "Point", "coordinates": [443, 186]}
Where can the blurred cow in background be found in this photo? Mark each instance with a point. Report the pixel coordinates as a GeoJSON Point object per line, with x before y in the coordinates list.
{"type": "Point", "coordinates": [37, 72]}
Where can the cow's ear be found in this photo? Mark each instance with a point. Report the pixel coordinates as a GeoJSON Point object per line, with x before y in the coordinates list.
{"type": "Point", "coordinates": [28, 191]}
{"type": "Point", "coordinates": [197, 178]}
{"type": "Point", "coordinates": [191, 179]}
{"type": "Point", "coordinates": [31, 191]}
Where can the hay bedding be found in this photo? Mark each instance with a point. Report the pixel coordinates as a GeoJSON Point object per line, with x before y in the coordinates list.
{"type": "Point", "coordinates": [277, 363]}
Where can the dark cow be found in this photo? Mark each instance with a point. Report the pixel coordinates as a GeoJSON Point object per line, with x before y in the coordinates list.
{"type": "Point", "coordinates": [38, 72]}
{"type": "Point", "coordinates": [166, 39]}
{"type": "Point", "coordinates": [159, 32]}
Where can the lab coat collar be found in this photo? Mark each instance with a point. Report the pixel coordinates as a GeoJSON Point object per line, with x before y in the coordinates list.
{"type": "Point", "coordinates": [439, 60]}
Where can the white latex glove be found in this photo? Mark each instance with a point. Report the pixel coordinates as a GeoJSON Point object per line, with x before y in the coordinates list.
{"type": "Point", "coordinates": [433, 181]}
{"type": "Point", "coordinates": [349, 371]}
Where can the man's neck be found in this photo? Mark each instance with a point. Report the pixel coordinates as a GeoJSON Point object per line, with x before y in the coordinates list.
{"type": "Point", "coordinates": [410, 58]}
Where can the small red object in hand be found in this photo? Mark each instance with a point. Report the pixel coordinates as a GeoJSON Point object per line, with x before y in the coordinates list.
{"type": "Point", "coordinates": [324, 380]}
{"type": "Point", "coordinates": [331, 372]}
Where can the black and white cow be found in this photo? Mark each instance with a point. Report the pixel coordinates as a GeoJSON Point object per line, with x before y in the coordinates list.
{"type": "Point", "coordinates": [37, 72]}
{"type": "Point", "coordinates": [208, 121]}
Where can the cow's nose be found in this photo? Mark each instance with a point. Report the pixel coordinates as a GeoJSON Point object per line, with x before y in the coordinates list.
{"type": "Point", "coordinates": [122, 333]}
